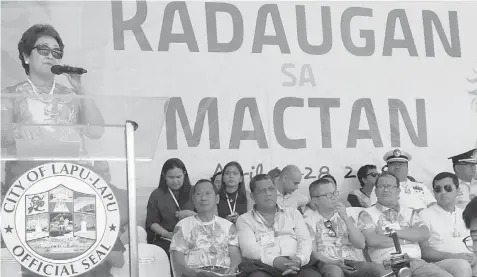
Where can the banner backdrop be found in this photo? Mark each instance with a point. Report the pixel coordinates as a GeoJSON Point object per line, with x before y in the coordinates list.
{"type": "Point", "coordinates": [326, 86]}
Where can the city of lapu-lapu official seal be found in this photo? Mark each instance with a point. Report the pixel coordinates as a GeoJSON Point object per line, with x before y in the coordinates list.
{"type": "Point", "coordinates": [60, 219]}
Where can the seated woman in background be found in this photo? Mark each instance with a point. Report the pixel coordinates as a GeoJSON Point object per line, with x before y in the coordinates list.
{"type": "Point", "coordinates": [234, 199]}
{"type": "Point", "coordinates": [205, 242]}
{"type": "Point", "coordinates": [274, 174]}
{"type": "Point", "coordinates": [367, 176]}
{"type": "Point", "coordinates": [168, 204]}
{"type": "Point", "coordinates": [217, 180]}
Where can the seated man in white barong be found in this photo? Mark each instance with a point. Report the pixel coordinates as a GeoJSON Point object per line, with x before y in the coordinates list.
{"type": "Point", "coordinates": [205, 243]}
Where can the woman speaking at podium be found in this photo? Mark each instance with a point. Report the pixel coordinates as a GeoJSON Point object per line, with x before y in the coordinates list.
{"type": "Point", "coordinates": [40, 48]}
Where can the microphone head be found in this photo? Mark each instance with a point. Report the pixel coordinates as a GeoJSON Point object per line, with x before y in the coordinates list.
{"type": "Point", "coordinates": [56, 69]}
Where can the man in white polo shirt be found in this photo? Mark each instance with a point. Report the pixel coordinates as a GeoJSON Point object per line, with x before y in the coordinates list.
{"type": "Point", "coordinates": [287, 185]}
{"type": "Point", "coordinates": [387, 214]}
{"type": "Point", "coordinates": [447, 229]}
{"type": "Point", "coordinates": [464, 167]}
{"type": "Point", "coordinates": [413, 195]}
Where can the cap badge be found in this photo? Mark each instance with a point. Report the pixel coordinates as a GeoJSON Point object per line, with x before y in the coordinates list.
{"type": "Point", "coordinates": [397, 153]}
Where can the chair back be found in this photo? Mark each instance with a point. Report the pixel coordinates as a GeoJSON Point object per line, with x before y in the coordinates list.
{"type": "Point", "coordinates": [153, 262]}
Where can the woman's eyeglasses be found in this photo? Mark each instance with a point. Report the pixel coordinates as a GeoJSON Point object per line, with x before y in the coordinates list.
{"type": "Point", "coordinates": [469, 243]}
{"type": "Point", "coordinates": [331, 231]}
{"type": "Point", "coordinates": [374, 174]}
{"type": "Point", "coordinates": [44, 50]}
{"type": "Point", "coordinates": [439, 189]}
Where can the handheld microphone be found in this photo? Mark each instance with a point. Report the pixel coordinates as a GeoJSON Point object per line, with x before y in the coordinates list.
{"type": "Point", "coordinates": [60, 69]}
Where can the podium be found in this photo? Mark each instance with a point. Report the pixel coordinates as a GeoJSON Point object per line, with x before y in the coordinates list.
{"type": "Point", "coordinates": [59, 209]}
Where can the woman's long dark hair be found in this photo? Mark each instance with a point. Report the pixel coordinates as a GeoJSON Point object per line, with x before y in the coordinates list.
{"type": "Point", "coordinates": [184, 191]}
{"type": "Point", "coordinates": [242, 193]}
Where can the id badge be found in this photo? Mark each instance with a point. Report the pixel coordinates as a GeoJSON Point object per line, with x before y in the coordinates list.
{"type": "Point", "coordinates": [267, 239]}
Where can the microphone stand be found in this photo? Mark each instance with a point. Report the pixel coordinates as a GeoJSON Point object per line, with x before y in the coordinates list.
{"type": "Point", "coordinates": [399, 263]}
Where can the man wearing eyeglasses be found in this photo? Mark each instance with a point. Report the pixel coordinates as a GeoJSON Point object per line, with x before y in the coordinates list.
{"type": "Point", "coordinates": [413, 194]}
{"type": "Point", "coordinates": [387, 214]}
{"type": "Point", "coordinates": [335, 236]}
{"type": "Point", "coordinates": [464, 167]}
{"type": "Point", "coordinates": [447, 229]}
{"type": "Point", "coordinates": [470, 219]}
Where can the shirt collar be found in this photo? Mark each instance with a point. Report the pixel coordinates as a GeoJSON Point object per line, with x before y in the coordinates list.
{"type": "Point", "coordinates": [382, 208]}
{"type": "Point", "coordinates": [362, 193]}
{"type": "Point", "coordinates": [321, 216]}
{"type": "Point", "coordinates": [444, 211]}
{"type": "Point", "coordinates": [279, 208]}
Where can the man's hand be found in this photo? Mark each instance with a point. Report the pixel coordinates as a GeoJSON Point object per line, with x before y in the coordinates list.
{"type": "Point", "coordinates": [469, 257]}
{"type": "Point", "coordinates": [344, 267]}
{"type": "Point", "coordinates": [293, 266]}
{"type": "Point", "coordinates": [286, 265]}
{"type": "Point", "coordinates": [282, 263]}
{"type": "Point", "coordinates": [231, 270]}
{"type": "Point", "coordinates": [168, 235]}
{"type": "Point", "coordinates": [340, 208]}
{"type": "Point", "coordinates": [295, 260]}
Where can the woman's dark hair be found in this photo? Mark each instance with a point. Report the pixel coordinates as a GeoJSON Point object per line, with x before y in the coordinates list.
{"type": "Point", "coordinates": [242, 193]}
{"type": "Point", "coordinates": [29, 38]}
{"type": "Point", "coordinates": [184, 191]}
{"type": "Point", "coordinates": [215, 176]}
{"type": "Point", "coordinates": [274, 173]}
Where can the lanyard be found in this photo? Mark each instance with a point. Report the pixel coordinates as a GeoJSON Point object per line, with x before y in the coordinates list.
{"type": "Point", "coordinates": [232, 211]}
{"type": "Point", "coordinates": [205, 229]}
{"type": "Point", "coordinates": [213, 240]}
{"type": "Point", "coordinates": [264, 221]}
{"type": "Point", "coordinates": [174, 198]}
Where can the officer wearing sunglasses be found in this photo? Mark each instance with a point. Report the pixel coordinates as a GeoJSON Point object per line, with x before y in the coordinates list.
{"type": "Point", "coordinates": [464, 165]}
{"type": "Point", "coordinates": [40, 48]}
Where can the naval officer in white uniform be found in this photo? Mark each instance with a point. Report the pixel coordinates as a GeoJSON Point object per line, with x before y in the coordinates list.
{"type": "Point", "coordinates": [413, 194]}
{"type": "Point", "coordinates": [464, 167]}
